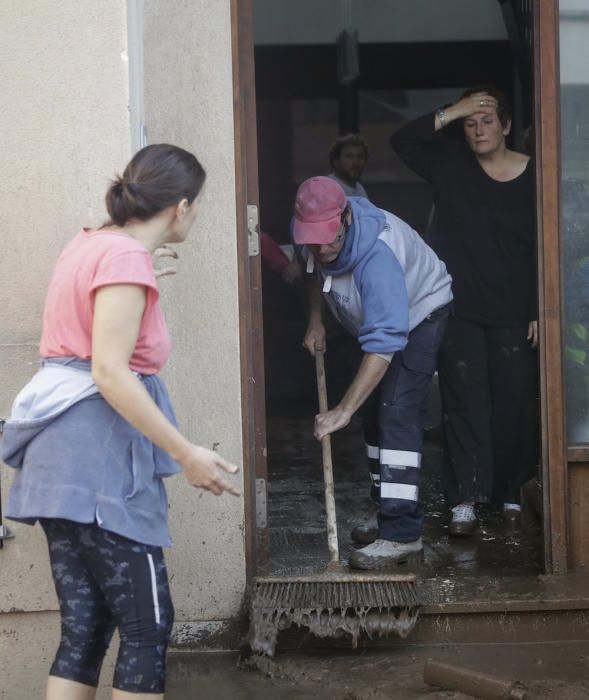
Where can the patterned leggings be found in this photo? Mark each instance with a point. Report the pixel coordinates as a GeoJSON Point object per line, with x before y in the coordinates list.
{"type": "Point", "coordinates": [104, 581]}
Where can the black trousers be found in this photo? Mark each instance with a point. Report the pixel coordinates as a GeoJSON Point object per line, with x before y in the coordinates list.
{"type": "Point", "coordinates": [394, 419]}
{"type": "Point", "coordinates": [489, 386]}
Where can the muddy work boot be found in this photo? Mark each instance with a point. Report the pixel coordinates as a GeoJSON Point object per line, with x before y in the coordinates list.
{"type": "Point", "coordinates": [366, 531]}
{"type": "Point", "coordinates": [383, 553]}
{"type": "Point", "coordinates": [464, 521]}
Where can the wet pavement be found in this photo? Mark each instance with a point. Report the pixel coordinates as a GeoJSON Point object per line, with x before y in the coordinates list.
{"type": "Point", "coordinates": [296, 515]}
{"type": "Point", "coordinates": [550, 671]}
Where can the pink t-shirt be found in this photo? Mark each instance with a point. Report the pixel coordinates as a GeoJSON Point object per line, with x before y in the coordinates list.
{"type": "Point", "coordinates": [91, 260]}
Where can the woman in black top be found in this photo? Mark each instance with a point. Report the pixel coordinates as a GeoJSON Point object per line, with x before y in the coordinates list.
{"type": "Point", "coordinates": [485, 233]}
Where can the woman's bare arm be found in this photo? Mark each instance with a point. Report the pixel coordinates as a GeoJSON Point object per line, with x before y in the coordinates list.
{"type": "Point", "coordinates": [118, 311]}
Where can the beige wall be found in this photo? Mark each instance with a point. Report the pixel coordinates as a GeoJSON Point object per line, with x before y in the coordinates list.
{"type": "Point", "coordinates": [64, 122]}
{"type": "Point", "coordinates": [189, 101]}
{"type": "Point", "coordinates": [65, 128]}
{"type": "Point", "coordinates": [27, 647]}
{"type": "Point", "coordinates": [64, 119]}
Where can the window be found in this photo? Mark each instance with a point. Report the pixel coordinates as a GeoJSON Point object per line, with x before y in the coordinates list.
{"type": "Point", "coordinates": [574, 74]}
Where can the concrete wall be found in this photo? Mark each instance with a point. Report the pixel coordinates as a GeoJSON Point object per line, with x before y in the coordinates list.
{"type": "Point", "coordinates": [65, 129]}
{"type": "Point", "coordinates": [64, 118]}
{"type": "Point", "coordinates": [188, 100]}
{"type": "Point", "coordinates": [64, 122]}
{"type": "Point", "coordinates": [312, 22]}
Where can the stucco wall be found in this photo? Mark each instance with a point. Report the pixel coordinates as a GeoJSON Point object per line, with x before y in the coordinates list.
{"type": "Point", "coordinates": [27, 648]}
{"type": "Point", "coordinates": [64, 117]}
{"type": "Point", "coordinates": [189, 101]}
{"type": "Point", "coordinates": [64, 122]}
{"type": "Point", "coordinates": [65, 129]}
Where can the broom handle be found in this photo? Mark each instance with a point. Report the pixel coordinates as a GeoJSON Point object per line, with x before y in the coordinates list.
{"type": "Point", "coordinates": [327, 463]}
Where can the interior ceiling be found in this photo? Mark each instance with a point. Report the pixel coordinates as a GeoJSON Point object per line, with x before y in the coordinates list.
{"type": "Point", "coordinates": [377, 21]}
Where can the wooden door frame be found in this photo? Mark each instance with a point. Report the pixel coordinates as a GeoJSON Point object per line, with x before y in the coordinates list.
{"type": "Point", "coordinates": [547, 132]}
{"type": "Point", "coordinates": [547, 128]}
{"type": "Point", "coordinates": [251, 334]}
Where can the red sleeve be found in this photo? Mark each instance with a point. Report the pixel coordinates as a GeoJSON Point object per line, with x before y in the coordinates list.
{"type": "Point", "coordinates": [272, 253]}
{"type": "Point", "coordinates": [126, 267]}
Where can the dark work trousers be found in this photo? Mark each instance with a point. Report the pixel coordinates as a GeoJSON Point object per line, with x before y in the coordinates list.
{"type": "Point", "coordinates": [489, 386]}
{"type": "Point", "coordinates": [394, 419]}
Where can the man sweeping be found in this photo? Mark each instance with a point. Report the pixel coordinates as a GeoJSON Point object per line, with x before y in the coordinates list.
{"type": "Point", "coordinates": [390, 291]}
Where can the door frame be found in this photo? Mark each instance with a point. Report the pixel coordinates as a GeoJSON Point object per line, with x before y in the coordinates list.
{"type": "Point", "coordinates": [547, 134]}
{"type": "Point", "coordinates": [552, 387]}
{"type": "Point", "coordinates": [251, 332]}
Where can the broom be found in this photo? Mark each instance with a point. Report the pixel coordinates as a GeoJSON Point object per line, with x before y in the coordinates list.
{"type": "Point", "coordinates": [336, 602]}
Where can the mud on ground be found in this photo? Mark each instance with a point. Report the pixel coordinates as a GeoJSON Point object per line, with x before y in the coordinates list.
{"type": "Point", "coordinates": [550, 671]}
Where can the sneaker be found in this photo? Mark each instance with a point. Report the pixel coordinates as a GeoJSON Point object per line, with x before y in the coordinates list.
{"type": "Point", "coordinates": [382, 553]}
{"type": "Point", "coordinates": [464, 520]}
{"type": "Point", "coordinates": [366, 531]}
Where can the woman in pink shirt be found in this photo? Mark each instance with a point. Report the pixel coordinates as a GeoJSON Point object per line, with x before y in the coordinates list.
{"type": "Point", "coordinates": [93, 435]}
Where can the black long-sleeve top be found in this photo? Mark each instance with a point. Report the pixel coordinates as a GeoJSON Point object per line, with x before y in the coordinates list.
{"type": "Point", "coordinates": [485, 229]}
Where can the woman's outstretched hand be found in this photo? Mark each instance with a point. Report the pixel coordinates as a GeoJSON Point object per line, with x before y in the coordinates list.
{"type": "Point", "coordinates": [204, 469]}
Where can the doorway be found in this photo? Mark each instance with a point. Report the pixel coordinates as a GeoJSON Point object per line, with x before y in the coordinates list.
{"type": "Point", "coordinates": [300, 108]}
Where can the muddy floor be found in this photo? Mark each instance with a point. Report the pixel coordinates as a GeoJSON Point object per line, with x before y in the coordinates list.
{"type": "Point", "coordinates": [549, 671]}
{"type": "Point", "coordinates": [296, 514]}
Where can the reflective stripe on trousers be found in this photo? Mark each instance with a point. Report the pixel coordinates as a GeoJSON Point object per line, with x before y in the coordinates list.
{"type": "Point", "coordinates": [395, 418]}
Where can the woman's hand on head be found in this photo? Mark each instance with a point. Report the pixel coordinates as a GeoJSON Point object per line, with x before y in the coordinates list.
{"type": "Point", "coordinates": [204, 469]}
{"type": "Point", "coordinates": [164, 252]}
{"type": "Point", "coordinates": [478, 102]}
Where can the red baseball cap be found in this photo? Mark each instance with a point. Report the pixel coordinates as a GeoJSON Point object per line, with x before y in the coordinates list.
{"type": "Point", "coordinates": [318, 209]}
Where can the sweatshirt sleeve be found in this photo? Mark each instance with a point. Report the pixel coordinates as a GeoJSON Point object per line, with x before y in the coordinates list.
{"type": "Point", "coordinates": [385, 305]}
{"type": "Point", "coordinates": [420, 146]}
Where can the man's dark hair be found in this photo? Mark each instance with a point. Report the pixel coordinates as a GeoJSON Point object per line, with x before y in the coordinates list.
{"type": "Point", "coordinates": [503, 106]}
{"type": "Point", "coordinates": [341, 142]}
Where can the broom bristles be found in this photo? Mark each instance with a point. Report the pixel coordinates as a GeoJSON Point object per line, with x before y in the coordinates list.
{"type": "Point", "coordinates": [334, 594]}
{"type": "Point", "coordinates": [331, 609]}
